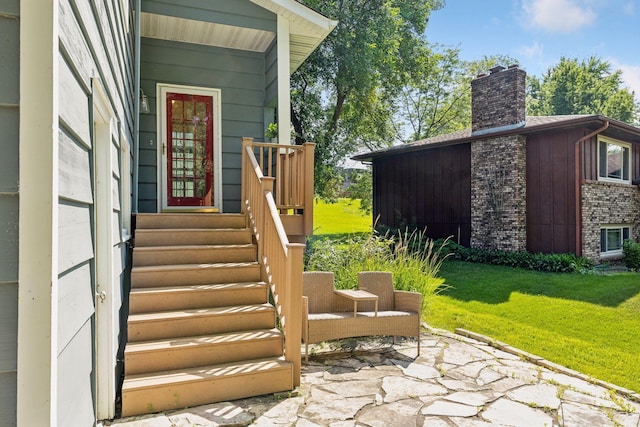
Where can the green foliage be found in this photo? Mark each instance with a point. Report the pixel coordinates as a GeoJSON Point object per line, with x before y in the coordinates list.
{"type": "Point", "coordinates": [272, 131]}
{"type": "Point", "coordinates": [554, 263]}
{"type": "Point", "coordinates": [342, 95]}
{"type": "Point", "coordinates": [413, 259]}
{"type": "Point", "coordinates": [585, 87]}
{"type": "Point", "coordinates": [631, 251]}
{"type": "Point", "coordinates": [361, 187]}
{"type": "Point", "coordinates": [437, 96]}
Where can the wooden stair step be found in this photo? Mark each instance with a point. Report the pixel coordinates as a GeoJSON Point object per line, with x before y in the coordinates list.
{"type": "Point", "coordinates": [190, 220]}
{"type": "Point", "coordinates": [145, 300]}
{"type": "Point", "coordinates": [192, 236]}
{"type": "Point", "coordinates": [203, 321]}
{"type": "Point", "coordinates": [194, 274]}
{"type": "Point", "coordinates": [147, 393]}
{"type": "Point", "coordinates": [181, 353]}
{"type": "Point", "coordinates": [193, 254]}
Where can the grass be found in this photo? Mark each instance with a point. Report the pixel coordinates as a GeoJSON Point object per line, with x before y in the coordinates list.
{"type": "Point", "coordinates": [340, 219]}
{"type": "Point", "coordinates": [589, 323]}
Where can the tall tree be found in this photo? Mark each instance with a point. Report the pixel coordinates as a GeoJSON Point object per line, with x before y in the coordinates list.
{"type": "Point", "coordinates": [582, 87]}
{"type": "Point", "coordinates": [437, 97]}
{"type": "Point", "coordinates": [342, 96]}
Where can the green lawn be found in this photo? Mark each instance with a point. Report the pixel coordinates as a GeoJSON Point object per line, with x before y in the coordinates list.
{"type": "Point", "coordinates": [590, 323]}
{"type": "Point", "coordinates": [341, 218]}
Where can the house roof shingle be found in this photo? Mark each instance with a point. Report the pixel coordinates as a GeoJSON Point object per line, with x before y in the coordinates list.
{"type": "Point", "coordinates": [532, 124]}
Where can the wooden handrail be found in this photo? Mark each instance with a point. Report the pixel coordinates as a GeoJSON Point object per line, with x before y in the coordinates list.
{"type": "Point", "coordinates": [291, 166]}
{"type": "Point", "coordinates": [281, 261]}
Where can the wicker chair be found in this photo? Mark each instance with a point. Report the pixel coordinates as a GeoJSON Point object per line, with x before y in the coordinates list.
{"type": "Point", "coordinates": [327, 316]}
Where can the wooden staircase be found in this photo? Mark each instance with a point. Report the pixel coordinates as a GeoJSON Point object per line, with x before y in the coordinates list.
{"type": "Point", "coordinates": [200, 328]}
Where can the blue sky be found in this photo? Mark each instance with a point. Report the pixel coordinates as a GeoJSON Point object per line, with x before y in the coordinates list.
{"type": "Point", "coordinates": [537, 33]}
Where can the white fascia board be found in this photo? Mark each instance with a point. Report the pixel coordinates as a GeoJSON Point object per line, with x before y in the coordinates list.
{"type": "Point", "coordinates": [292, 9]}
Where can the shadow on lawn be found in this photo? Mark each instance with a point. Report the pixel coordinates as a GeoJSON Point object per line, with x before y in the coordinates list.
{"type": "Point", "coordinates": [495, 284]}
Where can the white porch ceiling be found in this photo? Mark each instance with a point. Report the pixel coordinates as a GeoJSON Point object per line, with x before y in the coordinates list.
{"type": "Point", "coordinates": [204, 33]}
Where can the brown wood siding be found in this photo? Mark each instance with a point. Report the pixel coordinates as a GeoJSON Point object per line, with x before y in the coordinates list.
{"type": "Point", "coordinates": [431, 189]}
{"type": "Point", "coordinates": [551, 219]}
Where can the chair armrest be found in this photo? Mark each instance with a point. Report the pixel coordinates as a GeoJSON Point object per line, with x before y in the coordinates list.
{"type": "Point", "coordinates": [408, 301]}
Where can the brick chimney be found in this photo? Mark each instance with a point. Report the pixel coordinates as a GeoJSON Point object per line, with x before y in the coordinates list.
{"type": "Point", "coordinates": [498, 99]}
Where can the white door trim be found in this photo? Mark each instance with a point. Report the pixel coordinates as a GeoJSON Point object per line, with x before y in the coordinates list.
{"type": "Point", "coordinates": [161, 111]}
{"type": "Point", "coordinates": [107, 301]}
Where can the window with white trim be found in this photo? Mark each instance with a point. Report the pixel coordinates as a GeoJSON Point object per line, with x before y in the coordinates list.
{"type": "Point", "coordinates": [611, 238]}
{"type": "Point", "coordinates": [614, 160]}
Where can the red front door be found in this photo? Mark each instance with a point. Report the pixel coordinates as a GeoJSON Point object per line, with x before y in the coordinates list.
{"type": "Point", "coordinates": [189, 150]}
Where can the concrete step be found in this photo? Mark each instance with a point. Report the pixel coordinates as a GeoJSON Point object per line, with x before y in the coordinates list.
{"type": "Point", "coordinates": [148, 393]}
{"type": "Point", "coordinates": [145, 300]}
{"type": "Point", "coordinates": [190, 220]}
{"type": "Point", "coordinates": [203, 321]}
{"type": "Point", "coordinates": [192, 236]}
{"type": "Point", "coordinates": [194, 274]}
{"type": "Point", "coordinates": [182, 353]}
{"type": "Point", "coordinates": [194, 254]}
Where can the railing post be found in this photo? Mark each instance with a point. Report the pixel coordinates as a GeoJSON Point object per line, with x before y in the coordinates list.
{"type": "Point", "coordinates": [309, 148]}
{"type": "Point", "coordinates": [293, 325]}
{"type": "Point", "coordinates": [246, 142]}
{"type": "Point", "coordinates": [266, 187]}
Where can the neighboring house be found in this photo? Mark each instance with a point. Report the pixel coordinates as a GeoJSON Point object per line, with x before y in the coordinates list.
{"type": "Point", "coordinates": [543, 184]}
{"type": "Point", "coordinates": [78, 160]}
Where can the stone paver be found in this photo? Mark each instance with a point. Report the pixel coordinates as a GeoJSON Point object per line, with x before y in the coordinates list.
{"type": "Point", "coordinates": [457, 381]}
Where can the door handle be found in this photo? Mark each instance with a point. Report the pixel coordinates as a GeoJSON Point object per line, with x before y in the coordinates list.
{"type": "Point", "coordinates": [102, 296]}
{"type": "Point", "coordinates": [164, 146]}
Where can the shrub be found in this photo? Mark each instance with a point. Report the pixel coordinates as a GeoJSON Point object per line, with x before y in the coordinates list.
{"type": "Point", "coordinates": [554, 263]}
{"type": "Point", "coordinates": [413, 259]}
{"type": "Point", "coordinates": [631, 251]}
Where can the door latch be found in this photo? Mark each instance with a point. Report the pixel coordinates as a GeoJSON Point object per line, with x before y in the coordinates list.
{"type": "Point", "coordinates": [102, 296]}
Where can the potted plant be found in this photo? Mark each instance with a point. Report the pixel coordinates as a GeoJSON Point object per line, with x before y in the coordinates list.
{"type": "Point", "coordinates": [272, 132]}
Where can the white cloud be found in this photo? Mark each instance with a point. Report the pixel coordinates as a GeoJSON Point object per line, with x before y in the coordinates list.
{"type": "Point", "coordinates": [630, 76]}
{"type": "Point", "coordinates": [535, 50]}
{"type": "Point", "coordinates": [557, 16]}
{"type": "Point", "coordinates": [629, 8]}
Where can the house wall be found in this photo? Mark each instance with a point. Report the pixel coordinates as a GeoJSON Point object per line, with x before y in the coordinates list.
{"type": "Point", "coordinates": [241, 77]}
{"type": "Point", "coordinates": [551, 213]}
{"type": "Point", "coordinates": [9, 140]}
{"type": "Point", "coordinates": [95, 44]}
{"type": "Point", "coordinates": [605, 203]}
{"type": "Point", "coordinates": [429, 188]}
{"type": "Point", "coordinates": [96, 41]}
{"type": "Point", "coordinates": [498, 193]}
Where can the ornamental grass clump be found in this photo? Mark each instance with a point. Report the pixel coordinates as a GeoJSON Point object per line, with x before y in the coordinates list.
{"type": "Point", "coordinates": [411, 257]}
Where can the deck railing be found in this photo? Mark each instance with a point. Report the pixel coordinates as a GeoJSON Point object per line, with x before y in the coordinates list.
{"type": "Point", "coordinates": [282, 261]}
{"type": "Point", "coordinates": [291, 167]}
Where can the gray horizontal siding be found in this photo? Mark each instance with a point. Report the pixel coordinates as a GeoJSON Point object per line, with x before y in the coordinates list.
{"type": "Point", "coordinates": [95, 41]}
{"type": "Point", "coordinates": [240, 77]}
{"type": "Point", "coordinates": [8, 398]}
{"type": "Point", "coordinates": [241, 13]}
{"type": "Point", "coordinates": [10, 54]}
{"type": "Point", "coordinates": [9, 201]}
{"type": "Point", "coordinates": [9, 117]}
{"type": "Point", "coordinates": [75, 380]}
{"type": "Point", "coordinates": [8, 326]}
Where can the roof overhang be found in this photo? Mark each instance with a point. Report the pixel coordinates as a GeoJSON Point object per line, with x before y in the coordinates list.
{"type": "Point", "coordinates": [617, 129]}
{"type": "Point", "coordinates": [307, 30]}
